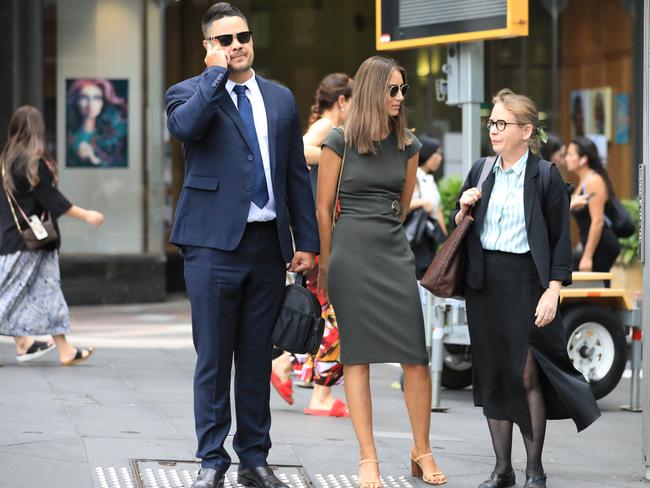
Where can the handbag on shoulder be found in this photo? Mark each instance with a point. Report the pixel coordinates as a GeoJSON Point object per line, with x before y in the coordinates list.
{"type": "Point", "coordinates": [300, 325]}
{"type": "Point", "coordinates": [618, 218]}
{"type": "Point", "coordinates": [39, 232]}
{"type": "Point", "coordinates": [445, 276]}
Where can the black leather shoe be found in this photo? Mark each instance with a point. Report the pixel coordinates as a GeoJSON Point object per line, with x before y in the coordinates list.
{"type": "Point", "coordinates": [496, 480]}
{"type": "Point", "coordinates": [535, 481]}
{"type": "Point", "coordinates": [260, 477]}
{"type": "Point", "coordinates": [208, 478]}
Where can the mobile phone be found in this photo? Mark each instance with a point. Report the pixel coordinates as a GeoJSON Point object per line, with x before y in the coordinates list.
{"type": "Point", "coordinates": [37, 227]}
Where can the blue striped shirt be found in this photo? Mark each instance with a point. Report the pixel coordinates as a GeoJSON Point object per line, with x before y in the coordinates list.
{"type": "Point", "coordinates": [504, 227]}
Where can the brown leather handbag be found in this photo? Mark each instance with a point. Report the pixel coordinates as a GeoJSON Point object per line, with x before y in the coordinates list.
{"type": "Point", "coordinates": [445, 276]}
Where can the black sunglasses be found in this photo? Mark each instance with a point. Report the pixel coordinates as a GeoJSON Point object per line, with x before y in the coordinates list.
{"type": "Point", "coordinates": [226, 39]}
{"type": "Point", "coordinates": [393, 89]}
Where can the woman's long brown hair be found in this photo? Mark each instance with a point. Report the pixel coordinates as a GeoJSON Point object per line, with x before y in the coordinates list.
{"type": "Point", "coordinates": [25, 146]}
{"type": "Point", "coordinates": [369, 121]}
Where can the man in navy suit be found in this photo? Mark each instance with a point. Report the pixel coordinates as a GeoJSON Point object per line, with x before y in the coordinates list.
{"type": "Point", "coordinates": [246, 191]}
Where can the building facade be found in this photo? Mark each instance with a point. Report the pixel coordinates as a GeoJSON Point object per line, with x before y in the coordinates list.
{"type": "Point", "coordinates": [581, 64]}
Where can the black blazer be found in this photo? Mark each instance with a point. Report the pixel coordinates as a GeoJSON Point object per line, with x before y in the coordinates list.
{"type": "Point", "coordinates": [547, 223]}
{"type": "Point", "coordinates": [44, 197]}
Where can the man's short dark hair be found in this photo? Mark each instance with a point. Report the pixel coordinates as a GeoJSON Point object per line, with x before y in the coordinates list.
{"type": "Point", "coordinates": [219, 11]}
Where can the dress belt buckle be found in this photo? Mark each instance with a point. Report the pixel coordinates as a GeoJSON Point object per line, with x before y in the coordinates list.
{"type": "Point", "coordinates": [396, 208]}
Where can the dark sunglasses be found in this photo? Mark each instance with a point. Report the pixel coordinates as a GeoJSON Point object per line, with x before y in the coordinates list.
{"type": "Point", "coordinates": [226, 39]}
{"type": "Point", "coordinates": [393, 89]}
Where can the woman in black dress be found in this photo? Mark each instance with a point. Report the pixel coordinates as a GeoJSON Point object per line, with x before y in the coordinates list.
{"type": "Point", "coordinates": [518, 257]}
{"type": "Point", "coordinates": [600, 246]}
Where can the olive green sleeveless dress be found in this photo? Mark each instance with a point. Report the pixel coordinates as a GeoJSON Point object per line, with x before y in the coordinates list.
{"type": "Point", "coordinates": [371, 274]}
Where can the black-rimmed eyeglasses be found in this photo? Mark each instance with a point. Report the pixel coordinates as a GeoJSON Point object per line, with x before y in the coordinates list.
{"type": "Point", "coordinates": [500, 124]}
{"type": "Point", "coordinates": [226, 39]}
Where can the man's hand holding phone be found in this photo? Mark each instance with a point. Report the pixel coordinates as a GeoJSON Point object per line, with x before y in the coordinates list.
{"type": "Point", "coordinates": [215, 55]}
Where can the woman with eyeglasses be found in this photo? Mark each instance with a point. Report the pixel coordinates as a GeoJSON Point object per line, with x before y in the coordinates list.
{"type": "Point", "coordinates": [518, 257]}
{"type": "Point", "coordinates": [366, 264]}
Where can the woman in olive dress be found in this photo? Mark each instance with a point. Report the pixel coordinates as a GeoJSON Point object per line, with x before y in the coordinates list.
{"type": "Point", "coordinates": [366, 263]}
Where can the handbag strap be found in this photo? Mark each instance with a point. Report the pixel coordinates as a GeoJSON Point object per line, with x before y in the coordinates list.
{"type": "Point", "coordinates": [10, 196]}
{"type": "Point", "coordinates": [487, 167]}
{"type": "Point", "coordinates": [485, 171]}
{"type": "Point", "coordinates": [338, 185]}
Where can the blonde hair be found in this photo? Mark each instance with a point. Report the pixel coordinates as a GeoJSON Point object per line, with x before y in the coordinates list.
{"type": "Point", "coordinates": [525, 112]}
{"type": "Point", "coordinates": [24, 148]}
{"type": "Point", "coordinates": [368, 120]}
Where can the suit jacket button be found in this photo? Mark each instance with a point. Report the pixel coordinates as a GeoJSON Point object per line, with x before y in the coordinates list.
{"type": "Point", "coordinates": [248, 188]}
{"type": "Point", "coordinates": [250, 157]}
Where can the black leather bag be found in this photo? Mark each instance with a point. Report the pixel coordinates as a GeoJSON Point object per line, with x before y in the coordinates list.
{"type": "Point", "coordinates": [619, 218]}
{"type": "Point", "coordinates": [415, 226]}
{"type": "Point", "coordinates": [300, 325]}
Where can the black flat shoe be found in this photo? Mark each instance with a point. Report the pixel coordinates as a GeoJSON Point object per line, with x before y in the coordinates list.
{"type": "Point", "coordinates": [535, 481]}
{"type": "Point", "coordinates": [208, 478]}
{"type": "Point", "coordinates": [260, 477]}
{"type": "Point", "coordinates": [499, 480]}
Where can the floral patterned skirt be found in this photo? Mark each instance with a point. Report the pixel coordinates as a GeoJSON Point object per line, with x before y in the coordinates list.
{"type": "Point", "coordinates": [31, 300]}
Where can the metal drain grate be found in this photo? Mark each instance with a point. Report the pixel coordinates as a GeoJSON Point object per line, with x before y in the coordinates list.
{"type": "Point", "coordinates": [352, 481]}
{"type": "Point", "coordinates": [157, 473]}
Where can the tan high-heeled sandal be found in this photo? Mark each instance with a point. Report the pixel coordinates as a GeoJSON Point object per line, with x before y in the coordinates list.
{"type": "Point", "coordinates": [429, 478]}
{"type": "Point", "coordinates": [369, 483]}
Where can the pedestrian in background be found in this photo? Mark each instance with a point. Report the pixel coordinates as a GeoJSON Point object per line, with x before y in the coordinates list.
{"type": "Point", "coordinates": [366, 264]}
{"type": "Point", "coordinates": [324, 369]}
{"type": "Point", "coordinates": [245, 212]}
{"type": "Point", "coordinates": [600, 246]}
{"type": "Point", "coordinates": [554, 150]}
{"type": "Point", "coordinates": [31, 300]}
{"type": "Point", "coordinates": [427, 197]}
{"type": "Point", "coordinates": [518, 257]}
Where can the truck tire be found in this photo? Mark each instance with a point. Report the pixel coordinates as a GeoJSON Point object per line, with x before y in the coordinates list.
{"type": "Point", "coordinates": [457, 367]}
{"type": "Point", "coordinates": [596, 345]}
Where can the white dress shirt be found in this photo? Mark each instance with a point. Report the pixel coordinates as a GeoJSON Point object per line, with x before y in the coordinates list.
{"type": "Point", "coordinates": [428, 189]}
{"type": "Point", "coordinates": [256, 214]}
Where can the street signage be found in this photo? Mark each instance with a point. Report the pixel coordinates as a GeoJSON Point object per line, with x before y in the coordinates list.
{"type": "Point", "coordinates": [405, 24]}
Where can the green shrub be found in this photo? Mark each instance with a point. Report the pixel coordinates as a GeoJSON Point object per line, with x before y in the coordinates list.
{"type": "Point", "coordinates": [630, 245]}
{"type": "Point", "coordinates": [449, 188]}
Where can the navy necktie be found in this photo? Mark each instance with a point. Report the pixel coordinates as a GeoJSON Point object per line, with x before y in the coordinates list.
{"type": "Point", "coordinates": [260, 193]}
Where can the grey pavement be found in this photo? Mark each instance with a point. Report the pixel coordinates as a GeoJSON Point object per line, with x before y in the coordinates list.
{"type": "Point", "coordinates": [67, 427]}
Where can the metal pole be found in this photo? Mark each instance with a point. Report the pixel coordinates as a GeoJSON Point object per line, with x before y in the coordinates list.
{"type": "Point", "coordinates": [438, 320]}
{"type": "Point", "coordinates": [471, 95]}
{"type": "Point", "coordinates": [645, 316]}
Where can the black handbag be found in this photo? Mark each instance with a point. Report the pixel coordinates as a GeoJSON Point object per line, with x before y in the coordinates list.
{"type": "Point", "coordinates": [300, 326]}
{"type": "Point", "coordinates": [415, 226]}
{"type": "Point", "coordinates": [619, 218]}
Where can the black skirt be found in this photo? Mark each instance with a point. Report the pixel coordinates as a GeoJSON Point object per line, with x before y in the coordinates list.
{"type": "Point", "coordinates": [501, 319]}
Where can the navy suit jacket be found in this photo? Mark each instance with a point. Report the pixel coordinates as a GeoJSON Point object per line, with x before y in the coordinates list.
{"type": "Point", "coordinates": [213, 207]}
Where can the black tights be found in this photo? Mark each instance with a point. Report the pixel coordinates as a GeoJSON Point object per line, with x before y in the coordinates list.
{"type": "Point", "coordinates": [501, 430]}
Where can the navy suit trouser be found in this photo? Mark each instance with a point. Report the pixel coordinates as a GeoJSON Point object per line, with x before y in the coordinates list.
{"type": "Point", "coordinates": [235, 298]}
